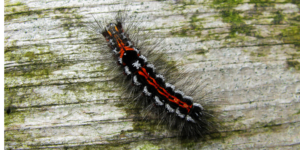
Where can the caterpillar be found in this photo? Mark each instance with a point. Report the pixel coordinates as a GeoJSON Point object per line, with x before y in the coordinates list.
{"type": "Point", "coordinates": [179, 110]}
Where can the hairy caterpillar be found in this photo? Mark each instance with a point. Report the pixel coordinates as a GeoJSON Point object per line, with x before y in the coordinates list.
{"type": "Point", "coordinates": [175, 108]}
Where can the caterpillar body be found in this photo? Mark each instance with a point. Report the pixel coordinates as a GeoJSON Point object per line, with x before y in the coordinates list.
{"type": "Point", "coordinates": [174, 104]}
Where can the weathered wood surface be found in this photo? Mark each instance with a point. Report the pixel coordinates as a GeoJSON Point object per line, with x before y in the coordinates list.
{"type": "Point", "coordinates": [58, 93]}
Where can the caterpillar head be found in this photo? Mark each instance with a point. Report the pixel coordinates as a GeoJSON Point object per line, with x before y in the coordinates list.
{"type": "Point", "coordinates": [196, 111]}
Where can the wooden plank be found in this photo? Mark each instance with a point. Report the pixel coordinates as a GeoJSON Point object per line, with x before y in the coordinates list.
{"type": "Point", "coordinates": [59, 94]}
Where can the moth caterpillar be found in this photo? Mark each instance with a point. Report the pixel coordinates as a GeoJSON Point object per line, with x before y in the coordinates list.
{"type": "Point", "coordinates": [177, 109]}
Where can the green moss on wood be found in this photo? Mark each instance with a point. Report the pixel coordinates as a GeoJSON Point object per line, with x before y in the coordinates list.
{"type": "Point", "coordinates": [262, 3]}
{"type": "Point", "coordinates": [291, 35]}
{"type": "Point", "coordinates": [228, 4]}
{"type": "Point", "coordinates": [233, 17]}
{"type": "Point", "coordinates": [36, 67]}
{"type": "Point", "coordinates": [17, 10]}
{"type": "Point", "coordinates": [293, 63]}
{"type": "Point", "coordinates": [8, 17]}
{"type": "Point", "coordinates": [241, 28]}
{"type": "Point", "coordinates": [201, 51]}
{"type": "Point", "coordinates": [193, 29]}
{"type": "Point", "coordinates": [278, 18]}
{"type": "Point", "coordinates": [30, 55]}
{"type": "Point", "coordinates": [262, 52]}
{"type": "Point", "coordinates": [69, 17]}
{"type": "Point", "coordinates": [15, 117]}
{"type": "Point", "coordinates": [7, 3]}
{"type": "Point", "coordinates": [12, 46]}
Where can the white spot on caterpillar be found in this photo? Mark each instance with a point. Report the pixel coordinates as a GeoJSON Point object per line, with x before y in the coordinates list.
{"type": "Point", "coordinates": [160, 76]}
{"type": "Point", "coordinates": [129, 43]}
{"type": "Point", "coordinates": [111, 42]}
{"type": "Point", "coordinates": [144, 58]}
{"type": "Point", "coordinates": [135, 81]}
{"type": "Point", "coordinates": [124, 37]}
{"type": "Point", "coordinates": [115, 51]}
{"type": "Point", "coordinates": [168, 85]}
{"type": "Point", "coordinates": [137, 50]}
{"type": "Point", "coordinates": [111, 25]}
{"type": "Point", "coordinates": [157, 101]}
{"type": "Point", "coordinates": [169, 108]}
{"type": "Point", "coordinates": [179, 92]}
{"type": "Point", "coordinates": [146, 92]}
{"type": "Point", "coordinates": [120, 61]}
{"type": "Point", "coordinates": [137, 65]}
{"type": "Point", "coordinates": [188, 97]}
{"type": "Point", "coordinates": [151, 66]}
{"type": "Point", "coordinates": [189, 118]}
{"type": "Point", "coordinates": [179, 114]}
{"type": "Point", "coordinates": [127, 71]}
{"type": "Point", "coordinates": [198, 105]}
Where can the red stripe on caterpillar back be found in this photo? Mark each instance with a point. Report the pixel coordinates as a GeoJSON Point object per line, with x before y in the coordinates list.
{"type": "Point", "coordinates": [153, 85]}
